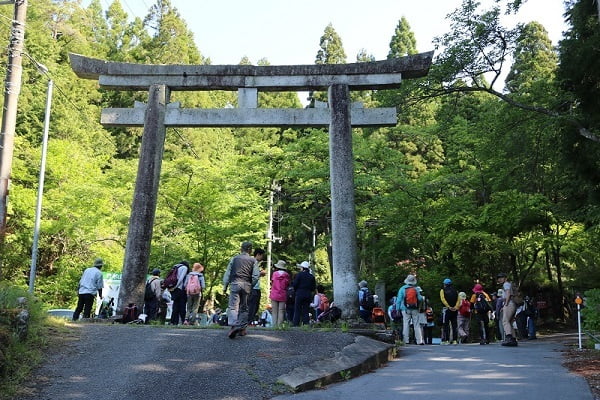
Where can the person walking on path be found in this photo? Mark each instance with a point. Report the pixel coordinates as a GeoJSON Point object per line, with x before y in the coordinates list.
{"type": "Point", "coordinates": [255, 293]}
{"type": "Point", "coordinates": [508, 311]}
{"type": "Point", "coordinates": [91, 282]}
{"type": "Point", "coordinates": [408, 300]}
{"type": "Point", "coordinates": [304, 286]}
{"type": "Point", "coordinates": [451, 302]}
{"type": "Point", "coordinates": [279, 283]}
{"type": "Point", "coordinates": [179, 296]}
{"type": "Point", "coordinates": [464, 318]}
{"type": "Point", "coordinates": [481, 304]}
{"type": "Point", "coordinates": [194, 286]}
{"type": "Point", "coordinates": [151, 303]}
{"type": "Point", "coordinates": [241, 275]}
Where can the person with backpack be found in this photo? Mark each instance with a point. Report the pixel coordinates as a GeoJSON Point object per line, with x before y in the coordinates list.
{"type": "Point", "coordinates": [320, 302]}
{"type": "Point", "coordinates": [178, 295]}
{"type": "Point", "coordinates": [280, 281]}
{"type": "Point", "coordinates": [241, 275]}
{"type": "Point", "coordinates": [481, 304]}
{"type": "Point", "coordinates": [304, 285]}
{"type": "Point", "coordinates": [395, 316]}
{"type": "Point", "coordinates": [152, 294]}
{"type": "Point", "coordinates": [366, 301]}
{"type": "Point", "coordinates": [451, 302]}
{"type": "Point", "coordinates": [194, 285]}
{"type": "Point", "coordinates": [408, 300]}
{"type": "Point", "coordinates": [464, 318]}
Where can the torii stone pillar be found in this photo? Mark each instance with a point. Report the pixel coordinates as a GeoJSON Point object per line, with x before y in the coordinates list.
{"type": "Point", "coordinates": [338, 79]}
{"type": "Point", "coordinates": [343, 216]}
{"type": "Point", "coordinates": [143, 208]}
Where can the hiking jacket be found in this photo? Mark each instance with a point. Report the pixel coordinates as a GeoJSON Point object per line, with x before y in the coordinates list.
{"type": "Point", "coordinates": [400, 304]}
{"type": "Point", "coordinates": [241, 269]}
{"type": "Point", "coordinates": [449, 297]}
{"type": "Point", "coordinates": [304, 284]}
{"type": "Point", "coordinates": [280, 281]}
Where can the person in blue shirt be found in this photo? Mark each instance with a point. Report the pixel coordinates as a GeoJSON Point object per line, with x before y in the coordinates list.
{"type": "Point", "coordinates": [408, 300]}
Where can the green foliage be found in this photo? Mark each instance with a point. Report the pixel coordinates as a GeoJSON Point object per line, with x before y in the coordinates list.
{"type": "Point", "coordinates": [591, 311]}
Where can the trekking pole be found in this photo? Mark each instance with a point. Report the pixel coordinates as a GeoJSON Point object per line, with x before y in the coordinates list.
{"type": "Point", "coordinates": [578, 301]}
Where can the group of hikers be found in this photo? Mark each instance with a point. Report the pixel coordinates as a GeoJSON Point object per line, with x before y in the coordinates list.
{"type": "Point", "coordinates": [297, 299]}
{"type": "Point", "coordinates": [412, 310]}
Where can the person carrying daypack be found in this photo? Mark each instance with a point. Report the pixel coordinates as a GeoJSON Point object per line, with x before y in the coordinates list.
{"type": "Point", "coordinates": [194, 284]}
{"type": "Point", "coordinates": [178, 294]}
{"type": "Point", "coordinates": [464, 317]}
{"type": "Point", "coordinates": [152, 295]}
{"type": "Point", "coordinates": [366, 301]}
{"type": "Point", "coordinates": [451, 303]}
{"type": "Point", "coordinates": [410, 315]}
{"type": "Point", "coordinates": [481, 305]}
{"type": "Point", "coordinates": [320, 302]}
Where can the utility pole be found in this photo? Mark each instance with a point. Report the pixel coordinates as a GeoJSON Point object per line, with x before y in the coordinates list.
{"type": "Point", "coordinates": [12, 88]}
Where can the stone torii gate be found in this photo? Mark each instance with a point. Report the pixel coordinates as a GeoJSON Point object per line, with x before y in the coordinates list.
{"type": "Point", "coordinates": [158, 114]}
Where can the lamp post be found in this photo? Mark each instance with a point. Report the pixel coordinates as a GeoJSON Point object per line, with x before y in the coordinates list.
{"type": "Point", "coordinates": [38, 208]}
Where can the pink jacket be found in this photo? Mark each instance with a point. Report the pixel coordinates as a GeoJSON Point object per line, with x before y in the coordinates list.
{"type": "Point", "coordinates": [280, 282]}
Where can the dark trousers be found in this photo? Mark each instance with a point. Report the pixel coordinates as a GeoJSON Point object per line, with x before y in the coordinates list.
{"type": "Point", "coordinates": [483, 322]}
{"type": "Point", "coordinates": [85, 303]}
{"type": "Point", "coordinates": [179, 302]}
{"type": "Point", "coordinates": [151, 309]}
{"type": "Point", "coordinates": [450, 318]}
{"type": "Point", "coordinates": [302, 310]}
{"type": "Point", "coordinates": [253, 303]}
{"type": "Point", "coordinates": [428, 334]}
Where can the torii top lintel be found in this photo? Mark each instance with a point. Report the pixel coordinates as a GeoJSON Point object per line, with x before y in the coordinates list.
{"type": "Point", "coordinates": [358, 76]}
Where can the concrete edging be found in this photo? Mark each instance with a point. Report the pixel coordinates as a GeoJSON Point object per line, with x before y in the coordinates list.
{"type": "Point", "coordinates": [361, 357]}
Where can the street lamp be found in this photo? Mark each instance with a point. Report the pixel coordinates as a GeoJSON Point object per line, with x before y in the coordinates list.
{"type": "Point", "coordinates": [38, 208]}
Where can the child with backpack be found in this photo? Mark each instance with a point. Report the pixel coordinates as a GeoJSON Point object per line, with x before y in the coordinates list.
{"type": "Point", "coordinates": [320, 302]}
{"type": "Point", "coordinates": [464, 317]}
{"type": "Point", "coordinates": [194, 284]}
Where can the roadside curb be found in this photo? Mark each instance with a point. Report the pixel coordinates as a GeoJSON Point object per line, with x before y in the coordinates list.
{"type": "Point", "coordinates": [358, 358]}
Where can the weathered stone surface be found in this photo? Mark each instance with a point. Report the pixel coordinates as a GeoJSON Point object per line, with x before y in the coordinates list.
{"type": "Point", "coordinates": [368, 75]}
{"type": "Point", "coordinates": [297, 117]}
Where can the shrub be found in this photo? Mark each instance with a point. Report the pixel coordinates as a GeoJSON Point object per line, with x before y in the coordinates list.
{"type": "Point", "coordinates": [591, 311]}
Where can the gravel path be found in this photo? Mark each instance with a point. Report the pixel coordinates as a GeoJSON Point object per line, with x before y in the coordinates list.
{"type": "Point", "coordinates": [112, 362]}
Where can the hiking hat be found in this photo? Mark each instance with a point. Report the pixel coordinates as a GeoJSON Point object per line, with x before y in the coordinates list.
{"type": "Point", "coordinates": [410, 280]}
{"type": "Point", "coordinates": [156, 272]}
{"type": "Point", "coordinates": [362, 284]}
{"type": "Point", "coordinates": [280, 265]}
{"type": "Point", "coordinates": [304, 265]}
{"type": "Point", "coordinates": [501, 275]}
{"type": "Point", "coordinates": [98, 263]}
{"type": "Point", "coordinates": [477, 288]}
{"type": "Point", "coordinates": [447, 281]}
{"type": "Point", "coordinates": [462, 295]}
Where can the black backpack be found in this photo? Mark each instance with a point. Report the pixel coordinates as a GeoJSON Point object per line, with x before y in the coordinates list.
{"type": "Point", "coordinates": [367, 300]}
{"type": "Point", "coordinates": [290, 294]}
{"type": "Point", "coordinates": [148, 292]}
{"type": "Point", "coordinates": [482, 306]}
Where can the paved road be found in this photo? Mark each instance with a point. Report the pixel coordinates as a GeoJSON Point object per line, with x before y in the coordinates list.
{"type": "Point", "coordinates": [135, 362]}
{"type": "Point", "coordinates": [531, 371]}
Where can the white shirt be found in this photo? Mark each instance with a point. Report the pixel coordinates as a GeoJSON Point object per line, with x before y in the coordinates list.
{"type": "Point", "coordinates": [91, 281]}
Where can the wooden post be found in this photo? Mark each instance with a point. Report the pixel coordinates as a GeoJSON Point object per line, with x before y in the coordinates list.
{"type": "Point", "coordinates": [143, 209]}
{"type": "Point", "coordinates": [343, 218]}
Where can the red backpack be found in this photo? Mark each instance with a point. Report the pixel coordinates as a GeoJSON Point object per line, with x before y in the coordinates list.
{"type": "Point", "coordinates": [465, 308]}
{"type": "Point", "coordinates": [411, 298]}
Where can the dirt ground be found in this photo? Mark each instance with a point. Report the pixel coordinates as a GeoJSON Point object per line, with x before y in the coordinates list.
{"type": "Point", "coordinates": [585, 362]}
